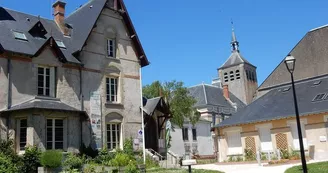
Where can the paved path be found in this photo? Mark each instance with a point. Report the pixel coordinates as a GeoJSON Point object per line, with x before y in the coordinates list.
{"type": "Point", "coordinates": [247, 168]}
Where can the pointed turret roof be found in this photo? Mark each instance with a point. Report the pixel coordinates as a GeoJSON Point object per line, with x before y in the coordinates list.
{"type": "Point", "coordinates": [235, 58]}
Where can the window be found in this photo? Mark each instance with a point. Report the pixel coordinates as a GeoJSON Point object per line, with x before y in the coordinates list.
{"type": "Point", "coordinates": [22, 133]}
{"type": "Point", "coordinates": [111, 48]}
{"type": "Point", "coordinates": [113, 136]}
{"type": "Point", "coordinates": [194, 135]}
{"type": "Point", "coordinates": [237, 74]}
{"type": "Point", "coordinates": [185, 134]}
{"type": "Point", "coordinates": [55, 134]}
{"type": "Point", "coordinates": [265, 138]}
{"type": "Point", "coordinates": [60, 44]}
{"type": "Point", "coordinates": [46, 81]}
{"type": "Point", "coordinates": [226, 77]}
{"type": "Point", "coordinates": [296, 143]}
{"type": "Point", "coordinates": [234, 143]}
{"type": "Point", "coordinates": [111, 89]}
{"type": "Point", "coordinates": [19, 36]}
{"type": "Point", "coordinates": [319, 97]}
{"type": "Point", "coordinates": [247, 75]}
{"type": "Point", "coordinates": [232, 77]}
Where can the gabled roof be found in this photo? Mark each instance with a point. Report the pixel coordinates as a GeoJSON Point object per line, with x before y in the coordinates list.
{"type": "Point", "coordinates": [82, 22]}
{"type": "Point", "coordinates": [211, 95]}
{"type": "Point", "coordinates": [234, 59]}
{"type": "Point", "coordinates": [156, 103]}
{"type": "Point", "coordinates": [311, 59]}
{"type": "Point", "coordinates": [278, 103]}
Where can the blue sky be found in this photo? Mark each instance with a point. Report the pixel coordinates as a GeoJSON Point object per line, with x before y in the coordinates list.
{"type": "Point", "coordinates": [188, 40]}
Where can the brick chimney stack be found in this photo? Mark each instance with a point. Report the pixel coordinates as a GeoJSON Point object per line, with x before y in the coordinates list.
{"type": "Point", "coordinates": [226, 91]}
{"type": "Point", "coordinates": [59, 13]}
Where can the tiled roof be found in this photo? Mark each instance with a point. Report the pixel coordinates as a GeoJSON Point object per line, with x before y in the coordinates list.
{"type": "Point", "coordinates": [278, 103]}
{"type": "Point", "coordinates": [82, 22]}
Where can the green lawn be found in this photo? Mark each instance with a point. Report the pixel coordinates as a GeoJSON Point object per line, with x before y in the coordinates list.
{"type": "Point", "coordinates": [162, 170]}
{"type": "Point", "coordinates": [321, 167]}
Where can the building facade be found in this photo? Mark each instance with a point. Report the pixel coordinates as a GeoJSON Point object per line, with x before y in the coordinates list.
{"type": "Point", "coordinates": [269, 123]}
{"type": "Point", "coordinates": [70, 81]}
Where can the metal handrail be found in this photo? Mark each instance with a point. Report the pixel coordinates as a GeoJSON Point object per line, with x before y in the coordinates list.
{"type": "Point", "coordinates": [155, 153]}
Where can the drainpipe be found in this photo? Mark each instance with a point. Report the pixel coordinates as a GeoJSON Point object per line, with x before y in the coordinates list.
{"type": "Point", "coordinates": [82, 105]}
{"type": "Point", "coordinates": [8, 93]}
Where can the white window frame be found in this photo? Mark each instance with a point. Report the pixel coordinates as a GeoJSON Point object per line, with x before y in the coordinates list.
{"type": "Point", "coordinates": [51, 81]}
{"type": "Point", "coordinates": [265, 129]}
{"type": "Point", "coordinates": [117, 132]}
{"type": "Point", "coordinates": [109, 96]}
{"type": "Point", "coordinates": [111, 47]}
{"type": "Point", "coordinates": [53, 140]}
{"type": "Point", "coordinates": [294, 133]}
{"type": "Point", "coordinates": [238, 149]}
{"type": "Point", "coordinates": [19, 134]}
{"type": "Point", "coordinates": [60, 44]}
{"type": "Point", "coordinates": [19, 35]}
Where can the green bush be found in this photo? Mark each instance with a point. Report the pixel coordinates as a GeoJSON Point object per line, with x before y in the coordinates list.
{"type": "Point", "coordinates": [7, 165]}
{"type": "Point", "coordinates": [7, 149]}
{"type": "Point", "coordinates": [120, 160]}
{"type": "Point", "coordinates": [30, 160]}
{"type": "Point", "coordinates": [151, 163]}
{"type": "Point", "coordinates": [285, 154]}
{"type": "Point", "coordinates": [52, 158]}
{"type": "Point", "coordinates": [73, 161]}
{"type": "Point", "coordinates": [104, 157]}
{"type": "Point", "coordinates": [128, 147]}
{"type": "Point", "coordinates": [131, 167]}
{"type": "Point", "coordinates": [264, 156]}
{"type": "Point", "coordinates": [249, 155]}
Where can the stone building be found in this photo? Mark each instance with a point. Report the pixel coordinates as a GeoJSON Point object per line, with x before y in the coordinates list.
{"type": "Point", "coordinates": [238, 73]}
{"type": "Point", "coordinates": [269, 123]}
{"type": "Point", "coordinates": [72, 80]}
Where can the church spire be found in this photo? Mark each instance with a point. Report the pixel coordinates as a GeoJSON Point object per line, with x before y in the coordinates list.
{"type": "Point", "coordinates": [234, 43]}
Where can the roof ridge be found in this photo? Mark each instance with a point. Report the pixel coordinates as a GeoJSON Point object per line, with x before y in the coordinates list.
{"type": "Point", "coordinates": [26, 13]}
{"type": "Point", "coordinates": [320, 27]}
{"type": "Point", "coordinates": [205, 95]}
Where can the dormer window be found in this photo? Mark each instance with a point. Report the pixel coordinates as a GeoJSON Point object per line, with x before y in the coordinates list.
{"type": "Point", "coordinates": [111, 48]}
{"type": "Point", "coordinates": [19, 35]}
{"type": "Point", "coordinates": [60, 44]}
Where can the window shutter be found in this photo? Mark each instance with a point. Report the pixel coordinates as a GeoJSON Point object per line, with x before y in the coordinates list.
{"type": "Point", "coordinates": [65, 134]}
{"type": "Point", "coordinates": [52, 82]}
{"type": "Point", "coordinates": [18, 135]}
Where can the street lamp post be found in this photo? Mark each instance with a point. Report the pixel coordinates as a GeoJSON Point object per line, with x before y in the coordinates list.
{"type": "Point", "coordinates": [290, 64]}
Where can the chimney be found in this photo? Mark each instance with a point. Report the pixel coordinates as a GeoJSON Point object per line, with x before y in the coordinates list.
{"type": "Point", "coordinates": [59, 13]}
{"type": "Point", "coordinates": [226, 91]}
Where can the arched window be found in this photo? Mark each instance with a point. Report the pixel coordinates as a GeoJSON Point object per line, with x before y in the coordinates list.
{"type": "Point", "coordinates": [226, 77]}
{"type": "Point", "coordinates": [232, 76]}
{"type": "Point", "coordinates": [237, 74]}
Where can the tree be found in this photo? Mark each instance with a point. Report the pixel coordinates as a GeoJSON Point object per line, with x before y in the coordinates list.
{"type": "Point", "coordinates": [177, 97]}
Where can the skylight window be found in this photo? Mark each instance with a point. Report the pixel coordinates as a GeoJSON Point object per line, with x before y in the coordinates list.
{"type": "Point", "coordinates": [319, 97]}
{"type": "Point", "coordinates": [60, 44]}
{"type": "Point", "coordinates": [317, 82]}
{"type": "Point", "coordinates": [19, 35]}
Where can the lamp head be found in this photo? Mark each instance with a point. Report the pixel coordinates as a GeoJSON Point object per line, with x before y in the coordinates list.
{"type": "Point", "coordinates": [290, 63]}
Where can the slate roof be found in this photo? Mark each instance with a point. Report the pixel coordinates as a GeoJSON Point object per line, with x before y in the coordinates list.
{"type": "Point", "coordinates": [234, 59]}
{"type": "Point", "coordinates": [278, 104]}
{"type": "Point", "coordinates": [211, 95]}
{"type": "Point", "coordinates": [49, 104]}
{"type": "Point", "coordinates": [11, 20]}
{"type": "Point", "coordinates": [156, 103]}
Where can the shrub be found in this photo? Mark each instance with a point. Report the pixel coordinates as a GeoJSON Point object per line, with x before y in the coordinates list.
{"type": "Point", "coordinates": [264, 156]}
{"type": "Point", "coordinates": [285, 154]}
{"type": "Point", "coordinates": [7, 149]}
{"type": "Point", "coordinates": [128, 147]}
{"type": "Point", "coordinates": [249, 155]}
{"type": "Point", "coordinates": [51, 158]}
{"type": "Point", "coordinates": [7, 165]}
{"type": "Point", "coordinates": [105, 157]}
{"type": "Point", "coordinates": [73, 161]}
{"type": "Point", "coordinates": [131, 167]}
{"type": "Point", "coordinates": [88, 151]}
{"type": "Point", "coordinates": [30, 160]}
{"type": "Point", "coordinates": [91, 168]}
{"type": "Point", "coordinates": [150, 163]}
{"type": "Point", "coordinates": [294, 155]}
{"type": "Point", "coordinates": [120, 160]}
